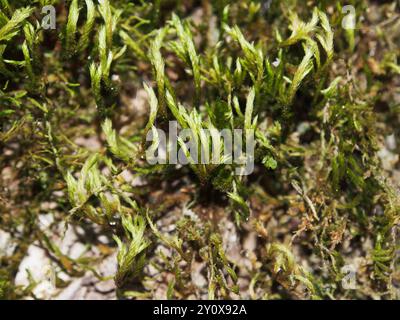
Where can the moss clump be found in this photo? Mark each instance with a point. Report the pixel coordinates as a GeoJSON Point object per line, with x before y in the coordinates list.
{"type": "Point", "coordinates": [76, 105]}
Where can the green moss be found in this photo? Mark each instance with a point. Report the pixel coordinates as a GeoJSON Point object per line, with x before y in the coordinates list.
{"type": "Point", "coordinates": [321, 99]}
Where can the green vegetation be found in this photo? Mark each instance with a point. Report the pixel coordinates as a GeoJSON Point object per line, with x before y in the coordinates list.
{"type": "Point", "coordinates": [324, 102]}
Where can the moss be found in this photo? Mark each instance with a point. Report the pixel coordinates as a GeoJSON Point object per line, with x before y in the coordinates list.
{"type": "Point", "coordinates": [321, 99]}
